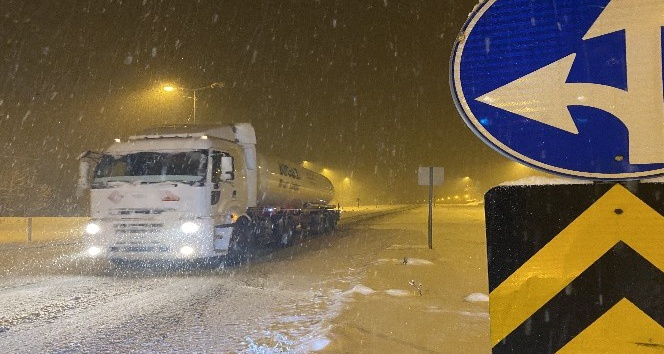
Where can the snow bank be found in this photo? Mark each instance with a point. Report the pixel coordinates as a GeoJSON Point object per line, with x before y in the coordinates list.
{"type": "Point", "coordinates": [405, 261]}
{"type": "Point", "coordinates": [318, 344]}
{"type": "Point", "coordinates": [397, 292]}
{"type": "Point", "coordinates": [417, 261]}
{"type": "Point", "coordinates": [477, 297]}
{"type": "Point", "coordinates": [360, 289]}
{"type": "Point", "coordinates": [365, 290]}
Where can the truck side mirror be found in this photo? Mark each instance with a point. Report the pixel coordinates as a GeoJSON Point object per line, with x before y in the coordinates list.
{"type": "Point", "coordinates": [87, 161]}
{"type": "Point", "coordinates": [227, 173]}
{"type": "Point", "coordinates": [83, 177]}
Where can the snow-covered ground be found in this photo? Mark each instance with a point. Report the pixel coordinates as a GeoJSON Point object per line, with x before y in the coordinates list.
{"type": "Point", "coordinates": [371, 287]}
{"type": "Point", "coordinates": [411, 299]}
{"type": "Point", "coordinates": [379, 289]}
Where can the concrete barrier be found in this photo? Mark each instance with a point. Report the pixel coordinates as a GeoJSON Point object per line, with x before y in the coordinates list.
{"type": "Point", "coordinates": [41, 229]}
{"type": "Point", "coordinates": [14, 230]}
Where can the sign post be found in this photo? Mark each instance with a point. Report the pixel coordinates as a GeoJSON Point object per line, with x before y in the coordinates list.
{"type": "Point", "coordinates": [430, 176]}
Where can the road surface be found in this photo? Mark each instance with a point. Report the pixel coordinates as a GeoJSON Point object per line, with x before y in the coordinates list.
{"type": "Point", "coordinates": [372, 286]}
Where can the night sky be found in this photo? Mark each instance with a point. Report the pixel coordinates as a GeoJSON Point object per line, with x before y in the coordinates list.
{"type": "Point", "coordinates": [360, 87]}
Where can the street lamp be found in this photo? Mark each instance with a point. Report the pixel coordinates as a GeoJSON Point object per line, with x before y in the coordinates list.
{"type": "Point", "coordinates": [171, 88]}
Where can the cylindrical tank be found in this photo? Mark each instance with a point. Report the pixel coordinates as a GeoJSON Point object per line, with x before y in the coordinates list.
{"type": "Point", "coordinates": [288, 185]}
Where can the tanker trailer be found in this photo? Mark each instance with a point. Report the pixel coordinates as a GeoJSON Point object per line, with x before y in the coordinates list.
{"type": "Point", "coordinates": [198, 192]}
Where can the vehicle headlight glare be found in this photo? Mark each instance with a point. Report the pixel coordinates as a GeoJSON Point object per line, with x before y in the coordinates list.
{"type": "Point", "coordinates": [187, 251]}
{"type": "Point", "coordinates": [92, 228]}
{"type": "Point", "coordinates": [94, 251]}
{"type": "Point", "coordinates": [189, 227]}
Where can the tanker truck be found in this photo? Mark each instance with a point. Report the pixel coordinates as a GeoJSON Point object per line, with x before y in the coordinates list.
{"type": "Point", "coordinates": [193, 192]}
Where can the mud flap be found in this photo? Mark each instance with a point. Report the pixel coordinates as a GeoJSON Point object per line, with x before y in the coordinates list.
{"type": "Point", "coordinates": [222, 238]}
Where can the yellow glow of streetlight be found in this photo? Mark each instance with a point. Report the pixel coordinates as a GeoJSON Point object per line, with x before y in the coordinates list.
{"type": "Point", "coordinates": [171, 88]}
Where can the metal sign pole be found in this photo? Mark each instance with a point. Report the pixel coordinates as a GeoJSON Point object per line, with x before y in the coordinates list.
{"type": "Point", "coordinates": [430, 176]}
{"type": "Point", "coordinates": [430, 206]}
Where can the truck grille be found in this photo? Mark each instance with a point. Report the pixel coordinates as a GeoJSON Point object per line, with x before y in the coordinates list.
{"type": "Point", "coordinates": [138, 237]}
{"type": "Point", "coordinates": [137, 249]}
{"type": "Point", "coordinates": [137, 228]}
{"type": "Point", "coordinates": [139, 211]}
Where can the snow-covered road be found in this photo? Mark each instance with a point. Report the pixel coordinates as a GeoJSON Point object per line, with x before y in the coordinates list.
{"type": "Point", "coordinates": [344, 292]}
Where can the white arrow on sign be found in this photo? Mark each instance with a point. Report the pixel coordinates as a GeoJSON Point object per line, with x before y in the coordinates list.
{"type": "Point", "coordinates": [544, 94]}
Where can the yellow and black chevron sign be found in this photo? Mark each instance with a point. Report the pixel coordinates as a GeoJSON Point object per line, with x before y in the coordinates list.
{"type": "Point", "coordinates": [576, 268]}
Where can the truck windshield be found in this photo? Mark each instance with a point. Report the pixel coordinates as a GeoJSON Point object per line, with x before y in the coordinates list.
{"type": "Point", "coordinates": [152, 167]}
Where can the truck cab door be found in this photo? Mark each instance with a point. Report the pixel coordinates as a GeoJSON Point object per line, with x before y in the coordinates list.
{"type": "Point", "coordinates": [223, 177]}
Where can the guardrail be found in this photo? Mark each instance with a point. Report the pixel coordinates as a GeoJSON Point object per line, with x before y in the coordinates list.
{"type": "Point", "coordinates": [351, 215]}
{"type": "Point", "coordinates": [41, 229]}
{"type": "Point", "coordinates": [49, 229]}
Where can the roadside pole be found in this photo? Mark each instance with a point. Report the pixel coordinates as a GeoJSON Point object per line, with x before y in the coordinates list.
{"type": "Point", "coordinates": [431, 176]}
{"type": "Point", "coordinates": [430, 207]}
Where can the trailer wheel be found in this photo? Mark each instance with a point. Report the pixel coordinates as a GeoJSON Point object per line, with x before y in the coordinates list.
{"type": "Point", "coordinates": [287, 231]}
{"type": "Point", "coordinates": [239, 249]}
{"type": "Point", "coordinates": [331, 222]}
{"type": "Point", "coordinates": [317, 224]}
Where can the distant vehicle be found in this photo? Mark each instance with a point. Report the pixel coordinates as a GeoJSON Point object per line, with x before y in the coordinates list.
{"type": "Point", "coordinates": [198, 192]}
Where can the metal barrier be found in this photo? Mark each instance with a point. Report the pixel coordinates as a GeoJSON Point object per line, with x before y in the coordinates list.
{"type": "Point", "coordinates": [41, 229]}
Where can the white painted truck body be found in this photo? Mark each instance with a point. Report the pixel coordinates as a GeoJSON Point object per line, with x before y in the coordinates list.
{"type": "Point", "coordinates": [178, 193]}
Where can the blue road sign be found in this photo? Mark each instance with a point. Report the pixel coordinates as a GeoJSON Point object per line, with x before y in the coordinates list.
{"type": "Point", "coordinates": [573, 87]}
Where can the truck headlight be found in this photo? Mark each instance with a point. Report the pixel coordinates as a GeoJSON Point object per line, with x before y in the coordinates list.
{"type": "Point", "coordinates": [189, 227]}
{"type": "Point", "coordinates": [92, 228]}
{"type": "Point", "coordinates": [187, 250]}
{"type": "Point", "coordinates": [94, 251]}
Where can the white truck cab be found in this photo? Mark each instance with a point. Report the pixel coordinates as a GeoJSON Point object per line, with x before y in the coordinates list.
{"type": "Point", "coordinates": [179, 192]}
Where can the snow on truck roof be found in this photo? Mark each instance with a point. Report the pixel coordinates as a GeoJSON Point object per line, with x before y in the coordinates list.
{"type": "Point", "coordinates": [242, 133]}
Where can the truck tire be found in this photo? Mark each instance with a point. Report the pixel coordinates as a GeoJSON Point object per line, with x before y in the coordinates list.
{"type": "Point", "coordinates": [287, 232]}
{"type": "Point", "coordinates": [239, 249]}
{"type": "Point", "coordinates": [330, 222]}
{"type": "Point", "coordinates": [316, 224]}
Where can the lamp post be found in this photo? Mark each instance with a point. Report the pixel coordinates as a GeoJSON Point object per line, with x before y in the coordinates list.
{"type": "Point", "coordinates": [170, 88]}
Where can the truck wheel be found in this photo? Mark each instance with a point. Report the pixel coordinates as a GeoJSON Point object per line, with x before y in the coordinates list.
{"type": "Point", "coordinates": [287, 234]}
{"type": "Point", "coordinates": [330, 223]}
{"type": "Point", "coordinates": [319, 224]}
{"type": "Point", "coordinates": [239, 249]}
